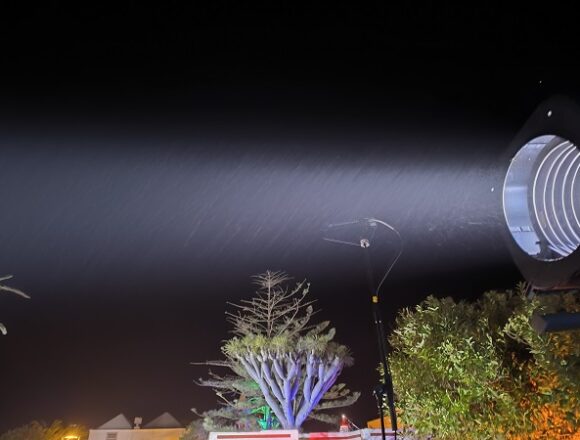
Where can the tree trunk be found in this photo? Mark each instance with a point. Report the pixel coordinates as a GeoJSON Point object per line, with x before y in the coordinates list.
{"type": "Point", "coordinates": [282, 382]}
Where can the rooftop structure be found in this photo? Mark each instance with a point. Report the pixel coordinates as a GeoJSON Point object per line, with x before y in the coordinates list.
{"type": "Point", "coordinates": [164, 427]}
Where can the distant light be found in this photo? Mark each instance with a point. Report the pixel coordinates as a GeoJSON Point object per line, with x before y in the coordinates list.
{"type": "Point", "coordinates": [549, 113]}
{"type": "Point", "coordinates": [541, 198]}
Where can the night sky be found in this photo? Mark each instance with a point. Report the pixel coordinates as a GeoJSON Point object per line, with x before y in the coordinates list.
{"type": "Point", "coordinates": [154, 158]}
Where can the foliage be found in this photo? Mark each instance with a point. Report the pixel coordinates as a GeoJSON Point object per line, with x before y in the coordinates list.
{"type": "Point", "coordinates": [284, 367]}
{"type": "Point", "coordinates": [57, 430]}
{"type": "Point", "coordinates": [195, 431]}
{"type": "Point", "coordinates": [239, 397]}
{"type": "Point", "coordinates": [4, 288]}
{"type": "Point", "coordinates": [32, 431]}
{"type": "Point", "coordinates": [478, 370]}
{"type": "Point", "coordinates": [267, 419]}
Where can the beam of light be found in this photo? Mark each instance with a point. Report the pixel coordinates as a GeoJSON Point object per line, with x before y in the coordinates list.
{"type": "Point", "coordinates": [539, 198]}
{"type": "Point", "coordinates": [174, 212]}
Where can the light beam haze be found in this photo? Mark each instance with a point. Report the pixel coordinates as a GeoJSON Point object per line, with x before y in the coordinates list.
{"type": "Point", "coordinates": [117, 207]}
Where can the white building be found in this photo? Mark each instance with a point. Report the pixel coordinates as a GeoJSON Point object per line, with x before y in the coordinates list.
{"type": "Point", "coordinates": [164, 427]}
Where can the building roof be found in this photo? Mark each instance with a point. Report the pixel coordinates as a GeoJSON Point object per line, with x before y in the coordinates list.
{"type": "Point", "coordinates": [165, 420]}
{"type": "Point", "coordinates": [118, 422]}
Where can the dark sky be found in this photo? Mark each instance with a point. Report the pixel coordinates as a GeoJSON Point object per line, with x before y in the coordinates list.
{"type": "Point", "coordinates": [154, 158]}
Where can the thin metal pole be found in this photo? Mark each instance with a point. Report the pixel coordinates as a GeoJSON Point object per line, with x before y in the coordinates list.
{"type": "Point", "coordinates": [378, 392]}
{"type": "Point", "coordinates": [386, 385]}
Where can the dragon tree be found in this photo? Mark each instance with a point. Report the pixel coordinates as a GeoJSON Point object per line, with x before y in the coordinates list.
{"type": "Point", "coordinates": [279, 361]}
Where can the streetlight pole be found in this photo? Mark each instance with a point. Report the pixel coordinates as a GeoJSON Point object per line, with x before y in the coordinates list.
{"type": "Point", "coordinates": [365, 240]}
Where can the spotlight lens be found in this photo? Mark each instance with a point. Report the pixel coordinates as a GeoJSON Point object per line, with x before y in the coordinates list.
{"type": "Point", "coordinates": [541, 198]}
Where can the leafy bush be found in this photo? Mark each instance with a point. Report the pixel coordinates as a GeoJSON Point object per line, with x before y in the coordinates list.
{"type": "Point", "coordinates": [57, 430]}
{"type": "Point", "coordinates": [479, 371]}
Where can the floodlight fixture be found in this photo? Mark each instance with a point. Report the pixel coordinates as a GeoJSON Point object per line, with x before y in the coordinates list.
{"type": "Point", "coordinates": [541, 205]}
{"type": "Point", "coordinates": [541, 196]}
